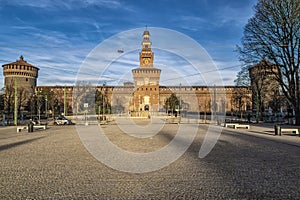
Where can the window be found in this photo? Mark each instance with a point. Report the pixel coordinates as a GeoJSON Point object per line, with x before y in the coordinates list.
{"type": "Point", "coordinates": [146, 99]}
{"type": "Point", "coordinates": [146, 81]}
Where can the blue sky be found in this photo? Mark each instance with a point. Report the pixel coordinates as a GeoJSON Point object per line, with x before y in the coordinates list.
{"type": "Point", "coordinates": [56, 35]}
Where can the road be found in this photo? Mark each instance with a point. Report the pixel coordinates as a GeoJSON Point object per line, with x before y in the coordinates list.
{"type": "Point", "coordinates": [54, 164]}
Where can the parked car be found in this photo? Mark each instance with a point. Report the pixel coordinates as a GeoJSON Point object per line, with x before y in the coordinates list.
{"type": "Point", "coordinates": [61, 120]}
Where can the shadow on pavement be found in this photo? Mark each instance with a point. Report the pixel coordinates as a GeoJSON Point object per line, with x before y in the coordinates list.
{"type": "Point", "coordinates": [15, 144]}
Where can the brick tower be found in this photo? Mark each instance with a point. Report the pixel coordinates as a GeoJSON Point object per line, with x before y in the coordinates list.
{"type": "Point", "coordinates": [146, 79]}
{"type": "Point", "coordinates": [22, 77]}
{"type": "Point", "coordinates": [21, 73]}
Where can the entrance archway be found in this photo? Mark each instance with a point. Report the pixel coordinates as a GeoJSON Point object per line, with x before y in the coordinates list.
{"type": "Point", "coordinates": [146, 108]}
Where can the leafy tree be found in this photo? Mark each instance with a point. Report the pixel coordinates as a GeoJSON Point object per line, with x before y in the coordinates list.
{"type": "Point", "coordinates": [274, 33]}
{"type": "Point", "coordinates": [172, 103]}
{"type": "Point", "coordinates": [102, 102]}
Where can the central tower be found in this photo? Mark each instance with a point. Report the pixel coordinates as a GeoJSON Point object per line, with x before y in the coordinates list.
{"type": "Point", "coordinates": [146, 79]}
{"type": "Point", "coordinates": [146, 55]}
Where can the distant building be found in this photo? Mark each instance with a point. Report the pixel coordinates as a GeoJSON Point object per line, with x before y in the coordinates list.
{"type": "Point", "coordinates": [142, 97]}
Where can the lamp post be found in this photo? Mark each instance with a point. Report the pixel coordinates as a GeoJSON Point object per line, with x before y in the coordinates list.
{"type": "Point", "coordinates": [65, 101]}
{"type": "Point", "coordinates": [103, 100]}
{"type": "Point", "coordinates": [214, 106]}
{"type": "Point", "coordinates": [16, 104]}
{"type": "Point", "coordinates": [39, 107]}
{"type": "Point", "coordinates": [46, 106]}
{"type": "Point", "coordinates": [179, 109]}
{"type": "Point", "coordinates": [103, 105]}
{"type": "Point", "coordinates": [257, 107]}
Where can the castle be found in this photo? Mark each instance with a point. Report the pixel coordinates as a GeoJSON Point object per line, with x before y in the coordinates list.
{"type": "Point", "coordinates": [140, 98]}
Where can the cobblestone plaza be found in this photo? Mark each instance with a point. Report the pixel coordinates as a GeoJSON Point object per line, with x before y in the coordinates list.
{"type": "Point", "coordinates": [244, 164]}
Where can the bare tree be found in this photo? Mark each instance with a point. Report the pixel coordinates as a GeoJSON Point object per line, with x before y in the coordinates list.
{"type": "Point", "coordinates": [240, 99]}
{"type": "Point", "coordinates": [9, 98]}
{"type": "Point", "coordinates": [23, 96]}
{"type": "Point", "coordinates": [277, 102]}
{"type": "Point", "coordinates": [258, 87]}
{"type": "Point", "coordinates": [2, 97]}
{"type": "Point", "coordinates": [243, 78]}
{"type": "Point", "coordinates": [274, 33]}
{"type": "Point", "coordinates": [84, 93]}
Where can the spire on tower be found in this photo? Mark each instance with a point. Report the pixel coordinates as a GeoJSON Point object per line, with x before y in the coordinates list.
{"type": "Point", "coordinates": [146, 32]}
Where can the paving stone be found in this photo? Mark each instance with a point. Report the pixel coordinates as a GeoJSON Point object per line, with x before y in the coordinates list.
{"type": "Point", "coordinates": [54, 164]}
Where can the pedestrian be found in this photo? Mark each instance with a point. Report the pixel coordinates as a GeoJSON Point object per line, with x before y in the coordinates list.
{"type": "Point", "coordinates": [249, 117]}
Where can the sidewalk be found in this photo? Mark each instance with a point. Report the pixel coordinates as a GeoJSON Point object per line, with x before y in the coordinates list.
{"type": "Point", "coordinates": [267, 131]}
{"type": "Point", "coordinates": [3, 128]}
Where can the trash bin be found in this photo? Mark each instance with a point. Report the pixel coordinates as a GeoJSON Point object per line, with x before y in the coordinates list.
{"type": "Point", "coordinates": [277, 130]}
{"type": "Point", "coordinates": [30, 127]}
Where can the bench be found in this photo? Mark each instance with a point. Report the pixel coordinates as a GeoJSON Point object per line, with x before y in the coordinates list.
{"type": "Point", "coordinates": [290, 130]}
{"type": "Point", "coordinates": [235, 125]}
{"type": "Point", "coordinates": [231, 125]}
{"type": "Point", "coordinates": [40, 126]}
{"type": "Point", "coordinates": [242, 126]}
{"type": "Point", "coordinates": [20, 128]}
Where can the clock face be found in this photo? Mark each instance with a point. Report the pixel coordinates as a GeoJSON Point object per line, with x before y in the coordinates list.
{"type": "Point", "coordinates": [146, 61]}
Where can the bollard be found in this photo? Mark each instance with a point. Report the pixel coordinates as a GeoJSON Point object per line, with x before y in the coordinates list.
{"type": "Point", "coordinates": [277, 130]}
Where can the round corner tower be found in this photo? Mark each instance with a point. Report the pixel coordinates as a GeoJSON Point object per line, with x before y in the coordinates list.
{"type": "Point", "coordinates": [263, 80]}
{"type": "Point", "coordinates": [20, 74]}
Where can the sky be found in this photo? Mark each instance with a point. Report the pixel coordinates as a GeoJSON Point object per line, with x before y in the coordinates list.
{"type": "Point", "coordinates": [61, 37]}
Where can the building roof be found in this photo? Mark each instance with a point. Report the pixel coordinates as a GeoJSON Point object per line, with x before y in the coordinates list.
{"type": "Point", "coordinates": [21, 62]}
{"type": "Point", "coordinates": [146, 68]}
{"type": "Point", "coordinates": [263, 63]}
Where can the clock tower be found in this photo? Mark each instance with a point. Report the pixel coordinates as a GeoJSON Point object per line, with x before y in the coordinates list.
{"type": "Point", "coordinates": [146, 55]}
{"type": "Point", "coordinates": [146, 79]}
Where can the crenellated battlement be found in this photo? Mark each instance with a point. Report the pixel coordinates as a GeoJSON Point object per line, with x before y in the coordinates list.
{"type": "Point", "coordinates": [21, 73]}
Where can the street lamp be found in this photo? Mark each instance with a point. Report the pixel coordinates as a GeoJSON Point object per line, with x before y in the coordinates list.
{"type": "Point", "coordinates": [103, 100]}
{"type": "Point", "coordinates": [46, 107]}
{"type": "Point", "coordinates": [180, 108]}
{"type": "Point", "coordinates": [16, 104]}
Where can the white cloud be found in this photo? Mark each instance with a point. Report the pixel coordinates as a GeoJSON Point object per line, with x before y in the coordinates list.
{"type": "Point", "coordinates": [233, 16]}
{"type": "Point", "coordinates": [61, 66]}
{"type": "Point", "coordinates": [66, 4]}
